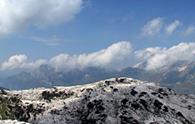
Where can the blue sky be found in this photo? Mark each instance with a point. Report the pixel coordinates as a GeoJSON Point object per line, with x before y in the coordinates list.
{"type": "Point", "coordinates": [98, 24]}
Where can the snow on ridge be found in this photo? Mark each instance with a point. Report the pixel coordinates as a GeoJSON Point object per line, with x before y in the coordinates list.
{"type": "Point", "coordinates": [12, 122]}
{"type": "Point", "coordinates": [110, 101]}
{"type": "Point", "coordinates": [33, 95]}
{"type": "Point", "coordinates": [116, 81]}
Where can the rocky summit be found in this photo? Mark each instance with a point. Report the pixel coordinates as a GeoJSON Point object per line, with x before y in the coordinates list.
{"type": "Point", "coordinates": [112, 101]}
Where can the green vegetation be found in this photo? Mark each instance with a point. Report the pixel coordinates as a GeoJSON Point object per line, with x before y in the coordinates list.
{"type": "Point", "coordinates": [6, 107]}
{"type": "Point", "coordinates": [49, 95]}
{"type": "Point", "coordinates": [11, 108]}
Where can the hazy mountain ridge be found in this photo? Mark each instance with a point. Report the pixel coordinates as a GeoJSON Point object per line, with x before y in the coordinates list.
{"type": "Point", "coordinates": [176, 76]}
{"type": "Point", "coordinates": [111, 101]}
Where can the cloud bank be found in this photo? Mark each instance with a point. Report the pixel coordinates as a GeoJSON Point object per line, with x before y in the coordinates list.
{"type": "Point", "coordinates": [112, 57]}
{"type": "Point", "coordinates": [157, 57]}
{"type": "Point", "coordinates": [21, 13]}
{"type": "Point", "coordinates": [117, 56]}
{"type": "Point", "coordinates": [20, 62]}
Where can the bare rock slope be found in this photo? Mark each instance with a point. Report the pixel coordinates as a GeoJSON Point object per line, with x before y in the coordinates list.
{"type": "Point", "coordinates": [113, 101]}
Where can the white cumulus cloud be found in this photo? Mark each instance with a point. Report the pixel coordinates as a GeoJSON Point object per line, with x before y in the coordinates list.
{"type": "Point", "coordinates": [152, 27]}
{"type": "Point", "coordinates": [157, 58]}
{"type": "Point", "coordinates": [20, 61]}
{"type": "Point", "coordinates": [116, 56]}
{"type": "Point", "coordinates": [16, 14]}
{"type": "Point", "coordinates": [14, 62]}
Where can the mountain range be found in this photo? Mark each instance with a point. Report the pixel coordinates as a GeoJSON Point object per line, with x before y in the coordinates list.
{"type": "Point", "coordinates": [179, 76]}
